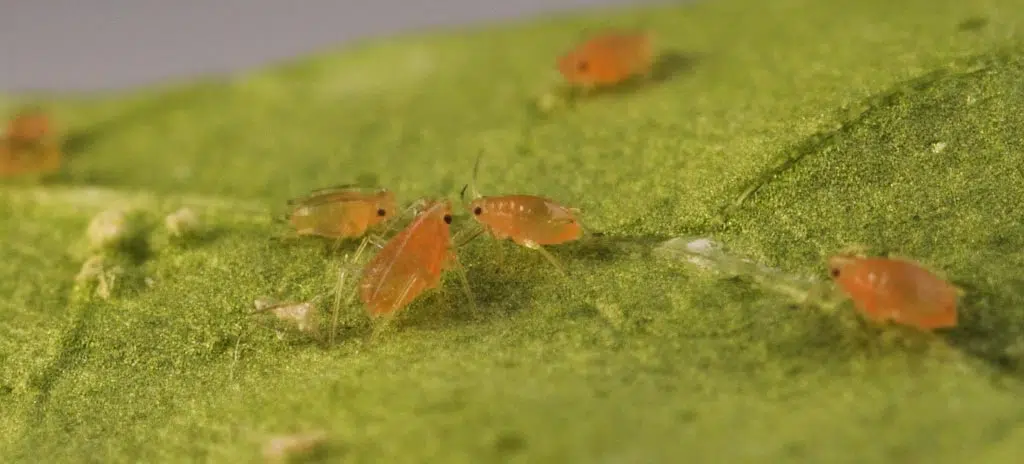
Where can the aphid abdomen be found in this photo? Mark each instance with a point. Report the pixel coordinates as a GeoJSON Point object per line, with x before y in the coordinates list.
{"type": "Point", "coordinates": [409, 264]}
{"type": "Point", "coordinates": [501, 218]}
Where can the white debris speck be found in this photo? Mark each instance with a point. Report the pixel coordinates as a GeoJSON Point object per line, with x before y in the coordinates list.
{"type": "Point", "coordinates": [182, 222]}
{"type": "Point", "coordinates": [702, 246]}
{"type": "Point", "coordinates": [96, 270]}
{"type": "Point", "coordinates": [938, 147]}
{"type": "Point", "coordinates": [549, 102]}
{"type": "Point", "coordinates": [282, 448]}
{"type": "Point", "coordinates": [301, 314]}
{"type": "Point", "coordinates": [107, 228]}
{"type": "Point", "coordinates": [698, 252]}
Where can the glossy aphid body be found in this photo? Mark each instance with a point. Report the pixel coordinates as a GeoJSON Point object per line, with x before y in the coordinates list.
{"type": "Point", "coordinates": [528, 220]}
{"type": "Point", "coordinates": [411, 262]}
{"type": "Point", "coordinates": [28, 127]}
{"type": "Point", "coordinates": [895, 290]}
{"type": "Point", "coordinates": [607, 59]}
{"type": "Point", "coordinates": [28, 146]}
{"type": "Point", "coordinates": [341, 212]}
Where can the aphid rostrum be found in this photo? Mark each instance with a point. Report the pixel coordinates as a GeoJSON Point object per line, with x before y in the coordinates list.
{"type": "Point", "coordinates": [528, 220]}
{"type": "Point", "coordinates": [886, 289]}
{"type": "Point", "coordinates": [608, 58]}
{"type": "Point", "coordinates": [341, 212]}
{"type": "Point", "coordinates": [411, 262]}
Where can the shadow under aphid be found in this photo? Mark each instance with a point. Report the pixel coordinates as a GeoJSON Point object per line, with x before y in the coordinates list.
{"type": "Point", "coordinates": [989, 328]}
{"type": "Point", "coordinates": [600, 247]}
{"type": "Point", "coordinates": [669, 65]}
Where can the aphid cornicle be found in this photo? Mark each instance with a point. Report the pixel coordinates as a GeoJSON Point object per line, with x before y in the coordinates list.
{"type": "Point", "coordinates": [411, 262]}
{"type": "Point", "coordinates": [896, 290]}
{"type": "Point", "coordinates": [608, 58]}
{"type": "Point", "coordinates": [528, 220]}
{"type": "Point", "coordinates": [341, 212]}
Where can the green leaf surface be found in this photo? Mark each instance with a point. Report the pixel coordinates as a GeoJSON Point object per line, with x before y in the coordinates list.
{"type": "Point", "coordinates": [782, 130]}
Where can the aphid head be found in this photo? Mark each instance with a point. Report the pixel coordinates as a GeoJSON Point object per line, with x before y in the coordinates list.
{"type": "Point", "coordinates": [446, 211]}
{"type": "Point", "coordinates": [836, 264]}
{"type": "Point", "coordinates": [386, 207]}
{"type": "Point", "coordinates": [477, 207]}
{"type": "Point", "coordinates": [575, 66]}
{"type": "Point", "coordinates": [441, 209]}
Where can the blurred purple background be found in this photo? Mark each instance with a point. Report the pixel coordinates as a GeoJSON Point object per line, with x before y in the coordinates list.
{"type": "Point", "coordinates": [72, 45]}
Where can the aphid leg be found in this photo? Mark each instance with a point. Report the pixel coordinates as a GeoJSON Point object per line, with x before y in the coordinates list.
{"type": "Point", "coordinates": [547, 255]}
{"type": "Point", "coordinates": [339, 288]}
{"type": "Point", "coordinates": [472, 236]}
{"type": "Point", "coordinates": [463, 279]}
{"type": "Point", "coordinates": [376, 240]}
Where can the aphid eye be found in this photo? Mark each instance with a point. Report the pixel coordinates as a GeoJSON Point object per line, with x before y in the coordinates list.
{"type": "Point", "coordinates": [447, 218]}
{"type": "Point", "coordinates": [835, 272]}
{"type": "Point", "coordinates": [582, 66]}
{"type": "Point", "coordinates": [381, 212]}
{"type": "Point", "coordinates": [478, 210]}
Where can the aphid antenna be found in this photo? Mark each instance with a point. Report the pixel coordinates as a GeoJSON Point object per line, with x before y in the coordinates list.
{"type": "Point", "coordinates": [476, 233]}
{"type": "Point", "coordinates": [462, 195]}
{"type": "Point", "coordinates": [334, 188]}
{"type": "Point", "coordinates": [472, 179]}
{"type": "Point", "coordinates": [464, 280]}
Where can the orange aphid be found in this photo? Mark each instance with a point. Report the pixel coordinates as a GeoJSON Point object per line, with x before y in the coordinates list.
{"type": "Point", "coordinates": [341, 212]}
{"type": "Point", "coordinates": [895, 290]}
{"type": "Point", "coordinates": [528, 220]}
{"type": "Point", "coordinates": [411, 262]}
{"type": "Point", "coordinates": [608, 58]}
{"type": "Point", "coordinates": [26, 145]}
{"type": "Point", "coordinates": [29, 126]}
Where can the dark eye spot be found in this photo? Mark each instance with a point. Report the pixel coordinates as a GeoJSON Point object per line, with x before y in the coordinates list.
{"type": "Point", "coordinates": [835, 272]}
{"type": "Point", "coordinates": [381, 212]}
{"type": "Point", "coordinates": [447, 218]}
{"type": "Point", "coordinates": [582, 65]}
{"type": "Point", "coordinates": [478, 210]}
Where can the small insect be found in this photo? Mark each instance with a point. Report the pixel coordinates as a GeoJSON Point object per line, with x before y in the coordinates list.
{"type": "Point", "coordinates": [341, 212]}
{"type": "Point", "coordinates": [528, 220]}
{"type": "Point", "coordinates": [411, 262]}
{"type": "Point", "coordinates": [895, 290]}
{"type": "Point", "coordinates": [608, 58]}
{"type": "Point", "coordinates": [29, 126]}
{"type": "Point", "coordinates": [27, 145]}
